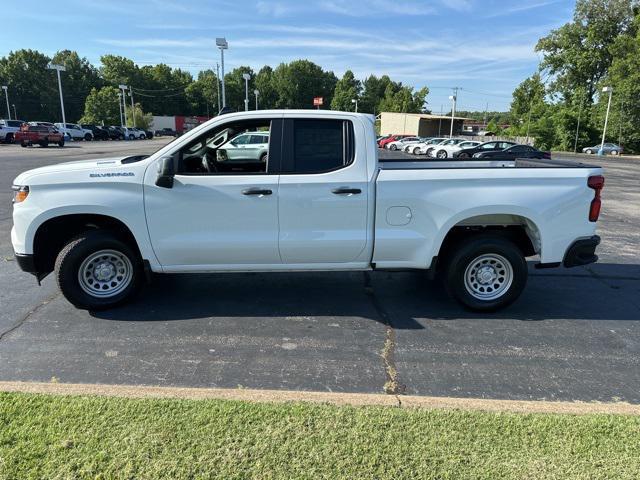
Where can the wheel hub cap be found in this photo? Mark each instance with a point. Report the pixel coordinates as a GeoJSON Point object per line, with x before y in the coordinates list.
{"type": "Point", "coordinates": [105, 273]}
{"type": "Point", "coordinates": [488, 276]}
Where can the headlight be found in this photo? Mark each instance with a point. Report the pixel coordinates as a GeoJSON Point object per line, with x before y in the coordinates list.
{"type": "Point", "coordinates": [20, 193]}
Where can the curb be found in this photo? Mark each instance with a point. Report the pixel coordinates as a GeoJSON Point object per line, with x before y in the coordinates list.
{"type": "Point", "coordinates": [332, 398]}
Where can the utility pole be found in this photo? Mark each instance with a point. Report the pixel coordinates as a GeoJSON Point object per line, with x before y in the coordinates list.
{"type": "Point", "coordinates": [120, 107]}
{"type": "Point", "coordinates": [6, 96]}
{"type": "Point", "coordinates": [124, 103]}
{"type": "Point", "coordinates": [256, 92]}
{"type": "Point", "coordinates": [58, 69]}
{"type": "Point", "coordinates": [528, 123]}
{"type": "Point", "coordinates": [454, 99]}
{"type": "Point", "coordinates": [15, 115]}
{"type": "Point", "coordinates": [133, 109]}
{"type": "Point", "coordinates": [575, 143]}
{"type": "Point", "coordinates": [620, 122]}
{"type": "Point", "coordinates": [608, 90]}
{"type": "Point", "coordinates": [355, 100]}
{"type": "Point", "coordinates": [218, 83]}
{"type": "Point", "coordinates": [222, 44]}
{"type": "Point", "coordinates": [440, 121]}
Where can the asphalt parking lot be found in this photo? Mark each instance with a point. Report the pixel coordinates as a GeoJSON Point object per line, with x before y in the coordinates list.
{"type": "Point", "coordinates": [573, 335]}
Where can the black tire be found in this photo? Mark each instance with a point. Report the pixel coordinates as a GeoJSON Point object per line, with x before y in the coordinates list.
{"type": "Point", "coordinates": [70, 260]}
{"type": "Point", "coordinates": [463, 155]}
{"type": "Point", "coordinates": [121, 137]}
{"type": "Point", "coordinates": [416, 151]}
{"type": "Point", "coordinates": [614, 152]}
{"type": "Point", "coordinates": [588, 151]}
{"type": "Point", "coordinates": [24, 144]}
{"type": "Point", "coordinates": [264, 157]}
{"type": "Point", "coordinates": [87, 137]}
{"type": "Point", "coordinates": [469, 253]}
{"type": "Point", "coordinates": [132, 136]}
{"type": "Point", "coordinates": [442, 154]}
{"type": "Point", "coordinates": [61, 142]}
{"type": "Point", "coordinates": [44, 143]}
{"type": "Point", "coordinates": [143, 137]}
{"type": "Point", "coordinates": [393, 148]}
{"type": "Point", "coordinates": [8, 138]}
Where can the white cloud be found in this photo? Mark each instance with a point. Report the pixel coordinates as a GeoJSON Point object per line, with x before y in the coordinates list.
{"type": "Point", "coordinates": [520, 8]}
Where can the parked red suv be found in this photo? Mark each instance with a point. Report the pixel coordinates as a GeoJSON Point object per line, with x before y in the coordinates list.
{"type": "Point", "coordinates": [389, 139]}
{"type": "Point", "coordinates": [43, 135]}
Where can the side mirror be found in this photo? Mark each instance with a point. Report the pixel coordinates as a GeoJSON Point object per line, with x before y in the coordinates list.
{"type": "Point", "coordinates": [166, 172]}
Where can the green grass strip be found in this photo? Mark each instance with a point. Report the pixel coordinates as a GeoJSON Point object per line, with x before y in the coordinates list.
{"type": "Point", "coordinates": [47, 436]}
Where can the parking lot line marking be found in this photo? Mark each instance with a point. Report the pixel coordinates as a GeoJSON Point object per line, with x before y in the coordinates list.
{"type": "Point", "coordinates": [333, 398]}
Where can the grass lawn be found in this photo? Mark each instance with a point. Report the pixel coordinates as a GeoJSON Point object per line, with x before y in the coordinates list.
{"type": "Point", "coordinates": [43, 436]}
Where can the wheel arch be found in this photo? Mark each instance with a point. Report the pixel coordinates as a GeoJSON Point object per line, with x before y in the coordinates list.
{"type": "Point", "coordinates": [54, 233]}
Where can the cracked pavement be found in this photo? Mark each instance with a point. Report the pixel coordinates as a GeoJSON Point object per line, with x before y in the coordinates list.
{"type": "Point", "coordinates": [574, 334]}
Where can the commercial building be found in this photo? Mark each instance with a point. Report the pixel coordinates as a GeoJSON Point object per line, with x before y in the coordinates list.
{"type": "Point", "coordinates": [420, 124]}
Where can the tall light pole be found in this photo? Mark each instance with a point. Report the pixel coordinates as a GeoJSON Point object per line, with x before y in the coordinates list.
{"type": "Point", "coordinates": [58, 69]}
{"type": "Point", "coordinates": [120, 107]}
{"type": "Point", "coordinates": [222, 44]}
{"type": "Point", "coordinates": [124, 102]}
{"type": "Point", "coordinates": [256, 92]}
{"type": "Point", "coordinates": [133, 109]}
{"type": "Point", "coordinates": [246, 77]}
{"type": "Point", "coordinates": [453, 99]}
{"type": "Point", "coordinates": [355, 100]}
{"type": "Point", "coordinates": [15, 115]}
{"type": "Point", "coordinates": [608, 90]}
{"type": "Point", "coordinates": [218, 83]}
{"type": "Point", "coordinates": [6, 96]}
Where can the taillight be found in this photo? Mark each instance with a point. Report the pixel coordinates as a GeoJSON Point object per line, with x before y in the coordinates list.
{"type": "Point", "coordinates": [597, 183]}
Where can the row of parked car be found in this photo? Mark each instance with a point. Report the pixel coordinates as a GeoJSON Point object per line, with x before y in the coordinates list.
{"type": "Point", "coordinates": [29, 133]}
{"type": "Point", "coordinates": [442, 148]}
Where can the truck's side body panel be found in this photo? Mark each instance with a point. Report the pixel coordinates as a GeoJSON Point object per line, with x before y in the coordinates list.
{"type": "Point", "coordinates": [555, 201]}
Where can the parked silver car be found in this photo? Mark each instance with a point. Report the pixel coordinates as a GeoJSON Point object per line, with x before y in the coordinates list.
{"type": "Point", "coordinates": [611, 148]}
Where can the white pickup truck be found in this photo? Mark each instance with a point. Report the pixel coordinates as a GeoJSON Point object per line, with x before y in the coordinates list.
{"type": "Point", "coordinates": [320, 200]}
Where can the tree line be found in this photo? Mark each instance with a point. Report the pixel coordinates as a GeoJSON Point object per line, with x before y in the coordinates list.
{"type": "Point", "coordinates": [599, 47]}
{"type": "Point", "coordinates": [91, 93]}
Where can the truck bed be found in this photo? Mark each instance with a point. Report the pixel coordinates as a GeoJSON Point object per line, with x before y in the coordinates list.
{"type": "Point", "coordinates": [404, 163]}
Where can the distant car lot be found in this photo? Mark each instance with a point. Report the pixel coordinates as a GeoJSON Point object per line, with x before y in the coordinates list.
{"type": "Point", "coordinates": [575, 335]}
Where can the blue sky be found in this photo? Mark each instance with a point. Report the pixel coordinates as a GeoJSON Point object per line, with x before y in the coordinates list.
{"type": "Point", "coordinates": [486, 47]}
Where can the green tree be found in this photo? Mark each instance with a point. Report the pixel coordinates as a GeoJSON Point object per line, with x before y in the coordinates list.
{"type": "Point", "coordinates": [32, 88]}
{"type": "Point", "coordinates": [142, 120]}
{"type": "Point", "coordinates": [101, 107]}
{"type": "Point", "coordinates": [235, 87]}
{"type": "Point", "coordinates": [298, 82]}
{"type": "Point", "coordinates": [578, 54]}
{"type": "Point", "coordinates": [347, 89]}
{"type": "Point", "coordinates": [374, 89]}
{"type": "Point", "coordinates": [202, 94]}
{"type": "Point", "coordinates": [403, 99]}
{"type": "Point", "coordinates": [268, 95]}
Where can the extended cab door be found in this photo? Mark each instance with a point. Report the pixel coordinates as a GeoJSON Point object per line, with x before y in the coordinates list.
{"type": "Point", "coordinates": [220, 213]}
{"type": "Point", "coordinates": [323, 193]}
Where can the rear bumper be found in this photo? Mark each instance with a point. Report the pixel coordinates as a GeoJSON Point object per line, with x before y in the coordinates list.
{"type": "Point", "coordinates": [582, 252]}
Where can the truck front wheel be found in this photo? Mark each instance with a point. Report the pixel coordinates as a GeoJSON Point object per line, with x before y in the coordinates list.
{"type": "Point", "coordinates": [96, 270]}
{"type": "Point", "coordinates": [486, 273]}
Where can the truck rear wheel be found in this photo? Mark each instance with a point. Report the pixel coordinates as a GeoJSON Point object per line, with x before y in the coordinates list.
{"type": "Point", "coordinates": [96, 270]}
{"type": "Point", "coordinates": [486, 273]}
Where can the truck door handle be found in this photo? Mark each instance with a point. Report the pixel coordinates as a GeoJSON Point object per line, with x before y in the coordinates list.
{"type": "Point", "coordinates": [345, 191]}
{"type": "Point", "coordinates": [257, 191]}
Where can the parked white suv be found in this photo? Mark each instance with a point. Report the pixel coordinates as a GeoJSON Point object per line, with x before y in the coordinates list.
{"type": "Point", "coordinates": [74, 131]}
{"type": "Point", "coordinates": [133, 133]}
{"type": "Point", "coordinates": [8, 129]}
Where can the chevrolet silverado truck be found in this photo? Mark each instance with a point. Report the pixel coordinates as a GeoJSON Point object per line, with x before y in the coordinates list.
{"type": "Point", "coordinates": [319, 200]}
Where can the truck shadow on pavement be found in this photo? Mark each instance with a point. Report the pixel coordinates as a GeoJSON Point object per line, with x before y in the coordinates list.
{"type": "Point", "coordinates": [404, 300]}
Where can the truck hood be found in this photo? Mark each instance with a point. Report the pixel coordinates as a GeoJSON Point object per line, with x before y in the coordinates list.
{"type": "Point", "coordinates": [97, 168]}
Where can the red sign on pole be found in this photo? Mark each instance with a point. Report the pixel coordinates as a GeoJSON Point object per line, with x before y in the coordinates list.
{"type": "Point", "coordinates": [317, 101]}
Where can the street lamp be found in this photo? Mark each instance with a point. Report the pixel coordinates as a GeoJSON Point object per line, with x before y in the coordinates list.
{"type": "Point", "coordinates": [355, 100]}
{"type": "Point", "coordinates": [133, 110]}
{"type": "Point", "coordinates": [608, 90]}
{"type": "Point", "coordinates": [218, 83]}
{"type": "Point", "coordinates": [123, 99]}
{"type": "Point", "coordinates": [453, 99]}
{"type": "Point", "coordinates": [15, 115]}
{"type": "Point", "coordinates": [222, 44]}
{"type": "Point", "coordinates": [6, 96]}
{"type": "Point", "coordinates": [256, 92]}
{"type": "Point", "coordinates": [246, 77]}
{"type": "Point", "coordinates": [58, 69]}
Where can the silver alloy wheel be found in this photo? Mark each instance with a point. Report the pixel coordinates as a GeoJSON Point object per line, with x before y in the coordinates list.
{"type": "Point", "coordinates": [105, 273]}
{"type": "Point", "coordinates": [442, 154]}
{"type": "Point", "coordinates": [488, 276]}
